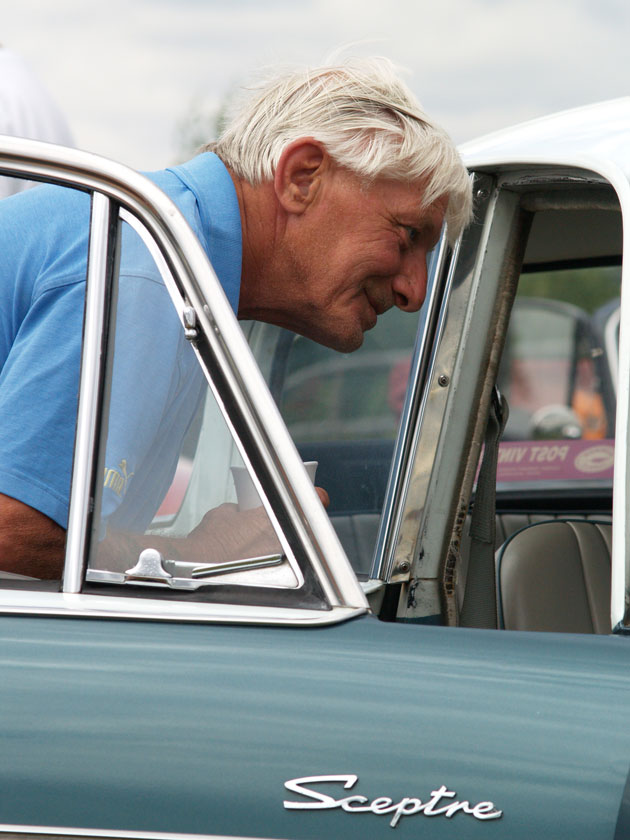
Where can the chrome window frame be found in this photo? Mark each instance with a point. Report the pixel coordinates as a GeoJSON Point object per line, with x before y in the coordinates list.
{"type": "Point", "coordinates": [243, 390]}
{"type": "Point", "coordinates": [610, 342]}
{"type": "Point", "coordinates": [384, 563]}
{"type": "Point", "coordinates": [449, 436]}
{"type": "Point", "coordinates": [427, 393]}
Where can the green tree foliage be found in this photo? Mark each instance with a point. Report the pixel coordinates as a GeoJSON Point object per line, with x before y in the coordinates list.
{"type": "Point", "coordinates": [588, 288]}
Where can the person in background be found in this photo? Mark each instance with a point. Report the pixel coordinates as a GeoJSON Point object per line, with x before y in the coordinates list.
{"type": "Point", "coordinates": [27, 110]}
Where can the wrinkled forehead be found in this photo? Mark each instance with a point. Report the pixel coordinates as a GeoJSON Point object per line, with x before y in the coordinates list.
{"type": "Point", "coordinates": [404, 201]}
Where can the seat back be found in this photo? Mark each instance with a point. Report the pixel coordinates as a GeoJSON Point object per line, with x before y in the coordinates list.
{"type": "Point", "coordinates": [555, 576]}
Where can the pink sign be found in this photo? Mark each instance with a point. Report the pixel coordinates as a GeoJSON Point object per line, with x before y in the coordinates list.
{"type": "Point", "coordinates": [550, 460]}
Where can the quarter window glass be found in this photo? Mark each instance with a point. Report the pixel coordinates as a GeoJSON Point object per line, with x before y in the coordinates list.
{"type": "Point", "coordinates": [170, 468]}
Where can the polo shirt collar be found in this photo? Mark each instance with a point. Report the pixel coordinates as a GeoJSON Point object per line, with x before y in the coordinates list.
{"type": "Point", "coordinates": [210, 182]}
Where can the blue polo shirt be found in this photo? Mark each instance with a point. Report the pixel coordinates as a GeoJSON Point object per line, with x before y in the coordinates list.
{"type": "Point", "coordinates": [156, 383]}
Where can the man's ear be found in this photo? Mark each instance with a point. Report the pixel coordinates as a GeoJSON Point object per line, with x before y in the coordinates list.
{"type": "Point", "coordinates": [298, 177]}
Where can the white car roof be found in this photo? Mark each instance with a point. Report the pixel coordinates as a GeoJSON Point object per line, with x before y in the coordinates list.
{"type": "Point", "coordinates": [598, 134]}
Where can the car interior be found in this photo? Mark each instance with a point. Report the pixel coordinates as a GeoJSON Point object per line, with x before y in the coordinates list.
{"type": "Point", "coordinates": [557, 373]}
{"type": "Point", "coordinates": [554, 528]}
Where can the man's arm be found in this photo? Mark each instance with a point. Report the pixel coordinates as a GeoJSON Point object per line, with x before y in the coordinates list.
{"type": "Point", "coordinates": [30, 542]}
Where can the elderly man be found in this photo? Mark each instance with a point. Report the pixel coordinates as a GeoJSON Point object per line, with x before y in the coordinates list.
{"type": "Point", "coordinates": [317, 207]}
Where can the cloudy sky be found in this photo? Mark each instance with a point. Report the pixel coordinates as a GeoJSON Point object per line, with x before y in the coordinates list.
{"type": "Point", "coordinates": [132, 76]}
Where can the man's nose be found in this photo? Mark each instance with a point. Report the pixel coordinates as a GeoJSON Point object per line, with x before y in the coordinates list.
{"type": "Point", "coordinates": [410, 284]}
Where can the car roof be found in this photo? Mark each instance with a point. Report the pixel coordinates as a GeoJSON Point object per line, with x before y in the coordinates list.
{"type": "Point", "coordinates": [593, 134]}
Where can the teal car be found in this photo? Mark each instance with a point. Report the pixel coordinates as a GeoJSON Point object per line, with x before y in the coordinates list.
{"type": "Point", "coordinates": [442, 653]}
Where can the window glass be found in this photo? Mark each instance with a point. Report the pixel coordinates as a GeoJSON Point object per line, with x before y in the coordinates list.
{"type": "Point", "coordinates": [558, 373]}
{"type": "Point", "coordinates": [343, 412]}
{"type": "Point", "coordinates": [169, 463]}
{"type": "Point", "coordinates": [356, 396]}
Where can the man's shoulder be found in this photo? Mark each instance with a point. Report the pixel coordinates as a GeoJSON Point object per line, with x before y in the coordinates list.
{"type": "Point", "coordinates": [44, 236]}
{"type": "Point", "coordinates": [45, 203]}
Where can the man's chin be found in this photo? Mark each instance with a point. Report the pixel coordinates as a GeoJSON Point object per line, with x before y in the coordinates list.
{"type": "Point", "coordinates": [346, 339]}
{"type": "Point", "coordinates": [347, 343]}
{"type": "Point", "coordinates": [342, 344]}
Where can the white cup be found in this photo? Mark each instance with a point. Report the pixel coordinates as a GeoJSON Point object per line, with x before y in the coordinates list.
{"type": "Point", "coordinates": [247, 495]}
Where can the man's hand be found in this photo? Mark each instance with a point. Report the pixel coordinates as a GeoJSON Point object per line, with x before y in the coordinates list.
{"type": "Point", "coordinates": [226, 534]}
{"type": "Point", "coordinates": [324, 498]}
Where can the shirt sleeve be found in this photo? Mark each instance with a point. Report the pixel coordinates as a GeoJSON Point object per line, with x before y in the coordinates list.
{"type": "Point", "coordinates": [38, 402]}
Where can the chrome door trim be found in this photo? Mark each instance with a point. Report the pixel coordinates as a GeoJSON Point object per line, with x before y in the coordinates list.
{"type": "Point", "coordinates": [158, 259]}
{"type": "Point", "coordinates": [67, 605]}
{"type": "Point", "coordinates": [432, 385]}
{"type": "Point", "coordinates": [38, 832]}
{"type": "Point", "coordinates": [610, 342]}
{"type": "Point", "coordinates": [89, 395]}
{"type": "Point", "coordinates": [277, 458]}
{"type": "Point", "coordinates": [620, 572]}
{"type": "Point", "coordinates": [447, 430]}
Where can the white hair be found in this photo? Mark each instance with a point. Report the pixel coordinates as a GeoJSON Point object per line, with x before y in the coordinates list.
{"type": "Point", "coordinates": [368, 121]}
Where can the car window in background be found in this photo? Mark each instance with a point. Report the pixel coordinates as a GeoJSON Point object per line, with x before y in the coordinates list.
{"type": "Point", "coordinates": [558, 374]}
{"type": "Point", "coordinates": [343, 411]}
{"type": "Point", "coordinates": [330, 396]}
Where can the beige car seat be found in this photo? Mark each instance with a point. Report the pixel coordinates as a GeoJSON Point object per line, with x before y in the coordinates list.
{"type": "Point", "coordinates": [555, 576]}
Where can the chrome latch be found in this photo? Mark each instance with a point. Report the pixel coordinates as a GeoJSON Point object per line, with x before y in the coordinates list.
{"type": "Point", "coordinates": [190, 323]}
{"type": "Point", "coordinates": [149, 567]}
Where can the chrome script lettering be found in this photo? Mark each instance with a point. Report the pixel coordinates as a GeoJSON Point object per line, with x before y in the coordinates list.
{"type": "Point", "coordinates": [440, 804]}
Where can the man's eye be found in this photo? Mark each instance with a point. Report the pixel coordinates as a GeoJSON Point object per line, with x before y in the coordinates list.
{"type": "Point", "coordinates": [412, 234]}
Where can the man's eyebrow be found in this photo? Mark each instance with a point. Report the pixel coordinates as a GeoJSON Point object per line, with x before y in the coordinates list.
{"type": "Point", "coordinates": [432, 230]}
{"type": "Point", "coordinates": [428, 225]}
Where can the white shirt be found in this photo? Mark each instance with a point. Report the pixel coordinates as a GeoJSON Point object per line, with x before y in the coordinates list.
{"type": "Point", "coordinates": [27, 110]}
